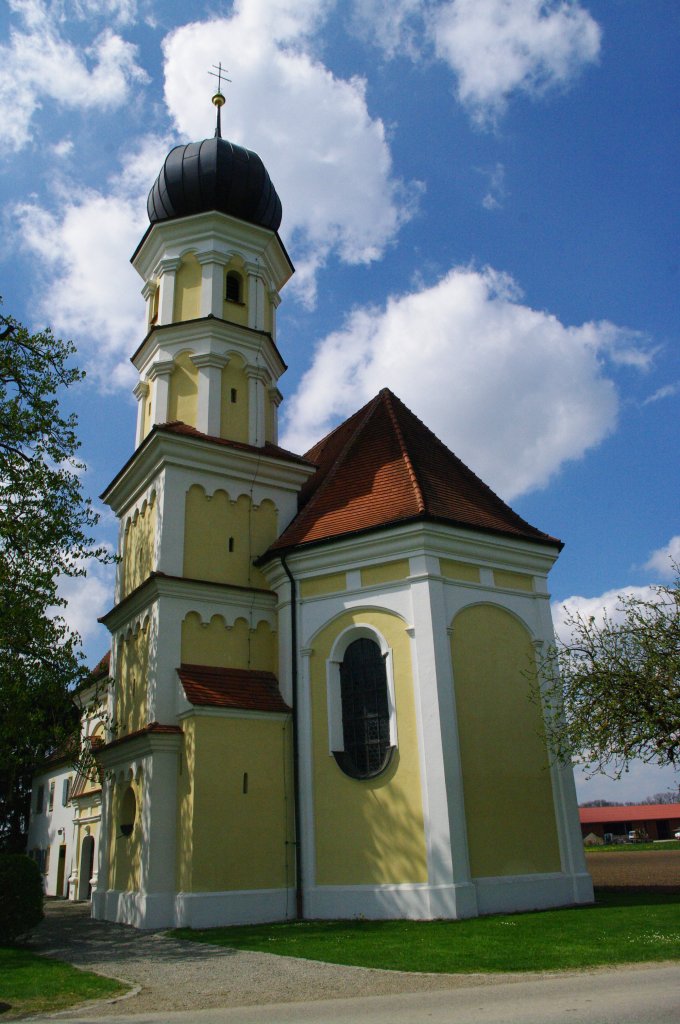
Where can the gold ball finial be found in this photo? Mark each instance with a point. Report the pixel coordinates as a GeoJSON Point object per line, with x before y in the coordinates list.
{"type": "Point", "coordinates": [218, 100]}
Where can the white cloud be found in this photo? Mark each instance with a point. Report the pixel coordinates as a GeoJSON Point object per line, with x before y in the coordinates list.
{"type": "Point", "coordinates": [87, 598]}
{"type": "Point", "coordinates": [665, 560]}
{"type": "Point", "coordinates": [608, 604]}
{"type": "Point", "coordinates": [497, 192]}
{"type": "Point", "coordinates": [87, 288]}
{"type": "Point", "coordinates": [637, 782]}
{"type": "Point", "coordinates": [497, 47]}
{"type": "Point", "coordinates": [41, 63]}
{"type": "Point", "coordinates": [493, 47]}
{"type": "Point", "coordinates": [667, 391]}
{"type": "Point", "coordinates": [328, 158]}
{"type": "Point", "coordinates": [509, 389]}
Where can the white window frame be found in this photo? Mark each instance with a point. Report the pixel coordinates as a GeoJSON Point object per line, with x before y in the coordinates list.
{"type": "Point", "coordinates": [336, 739]}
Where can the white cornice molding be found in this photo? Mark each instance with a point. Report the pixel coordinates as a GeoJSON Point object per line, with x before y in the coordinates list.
{"type": "Point", "coordinates": [162, 449]}
{"type": "Point", "coordinates": [437, 539]}
{"type": "Point", "coordinates": [207, 334]}
{"type": "Point", "coordinates": [138, 747]}
{"type": "Point", "coordinates": [217, 233]}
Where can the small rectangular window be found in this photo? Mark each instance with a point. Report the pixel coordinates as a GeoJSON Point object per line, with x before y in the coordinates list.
{"type": "Point", "coordinates": [40, 800]}
{"type": "Point", "coordinates": [50, 804]}
{"type": "Point", "coordinates": [233, 396]}
{"type": "Point", "coordinates": [65, 791]}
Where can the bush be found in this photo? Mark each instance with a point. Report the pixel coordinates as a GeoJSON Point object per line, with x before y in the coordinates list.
{"type": "Point", "coordinates": [21, 897]}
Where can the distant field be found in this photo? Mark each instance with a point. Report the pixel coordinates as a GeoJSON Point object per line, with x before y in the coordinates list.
{"type": "Point", "coordinates": [662, 845]}
{"type": "Point", "coordinates": [657, 869]}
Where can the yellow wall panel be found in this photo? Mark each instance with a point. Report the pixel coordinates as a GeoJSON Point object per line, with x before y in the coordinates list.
{"type": "Point", "coordinates": [221, 646]}
{"type": "Point", "coordinates": [222, 537]}
{"type": "Point", "coordinates": [387, 573]}
{"type": "Point", "coordinates": [138, 548]}
{"type": "Point", "coordinates": [234, 408]}
{"type": "Point", "coordinates": [508, 791]}
{"type": "Point", "coordinates": [124, 851]}
{"type": "Point", "coordinates": [333, 583]}
{"type": "Point", "coordinates": [187, 302]}
{"type": "Point", "coordinates": [131, 704]}
{"type": "Point", "coordinates": [383, 837]}
{"type": "Point", "coordinates": [513, 580]}
{"type": "Point", "coordinates": [453, 570]}
{"type": "Point", "coordinates": [242, 806]}
{"type": "Point", "coordinates": [183, 396]}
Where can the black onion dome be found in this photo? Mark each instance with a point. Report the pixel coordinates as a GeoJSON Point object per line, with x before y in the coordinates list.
{"type": "Point", "coordinates": [214, 175]}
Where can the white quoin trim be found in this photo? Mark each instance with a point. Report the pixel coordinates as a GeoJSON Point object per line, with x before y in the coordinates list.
{"type": "Point", "coordinates": [336, 739]}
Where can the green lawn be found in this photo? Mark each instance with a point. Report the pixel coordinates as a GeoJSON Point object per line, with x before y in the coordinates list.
{"type": "Point", "coordinates": [31, 984]}
{"type": "Point", "coordinates": [659, 847]}
{"type": "Point", "coordinates": [617, 929]}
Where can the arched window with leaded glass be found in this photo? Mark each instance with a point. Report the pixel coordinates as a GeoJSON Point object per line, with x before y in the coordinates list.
{"type": "Point", "coordinates": [365, 707]}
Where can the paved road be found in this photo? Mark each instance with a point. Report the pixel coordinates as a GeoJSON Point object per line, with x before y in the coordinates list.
{"type": "Point", "coordinates": [639, 995]}
{"type": "Point", "coordinates": [186, 983]}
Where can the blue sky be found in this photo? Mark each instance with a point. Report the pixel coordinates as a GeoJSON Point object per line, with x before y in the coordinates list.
{"type": "Point", "coordinates": [481, 201]}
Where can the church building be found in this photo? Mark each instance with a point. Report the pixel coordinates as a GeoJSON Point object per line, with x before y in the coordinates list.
{"type": "Point", "coordinates": [321, 663]}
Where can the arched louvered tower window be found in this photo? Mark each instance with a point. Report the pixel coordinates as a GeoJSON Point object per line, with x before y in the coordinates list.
{"type": "Point", "coordinates": [365, 711]}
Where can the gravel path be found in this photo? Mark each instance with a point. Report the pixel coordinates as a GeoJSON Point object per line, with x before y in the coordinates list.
{"type": "Point", "coordinates": [169, 974]}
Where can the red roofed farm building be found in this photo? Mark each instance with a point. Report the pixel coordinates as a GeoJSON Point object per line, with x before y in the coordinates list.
{"type": "Point", "coordinates": [659, 821]}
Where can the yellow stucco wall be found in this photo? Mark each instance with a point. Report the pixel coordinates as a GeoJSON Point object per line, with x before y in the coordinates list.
{"type": "Point", "coordinates": [508, 792]}
{"type": "Point", "coordinates": [213, 521]}
{"type": "Point", "coordinates": [124, 851]}
{"type": "Point", "coordinates": [513, 580]}
{"type": "Point", "coordinates": [387, 573]}
{"type": "Point", "coordinates": [187, 300]}
{"type": "Point", "coordinates": [131, 683]}
{"type": "Point", "coordinates": [183, 392]}
{"type": "Point", "coordinates": [138, 547]}
{"type": "Point", "coordinates": [453, 570]}
{"type": "Point", "coordinates": [332, 583]}
{"type": "Point", "coordinates": [234, 407]}
{"type": "Point", "coordinates": [221, 646]}
{"type": "Point", "coordinates": [368, 831]}
{"type": "Point", "coordinates": [228, 838]}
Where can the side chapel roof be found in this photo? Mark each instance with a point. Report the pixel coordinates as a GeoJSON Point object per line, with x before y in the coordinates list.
{"type": "Point", "coordinates": [382, 467]}
{"type": "Point", "coordinates": [239, 689]}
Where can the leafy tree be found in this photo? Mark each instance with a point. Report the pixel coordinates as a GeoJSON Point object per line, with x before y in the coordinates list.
{"type": "Point", "coordinates": [46, 527]}
{"type": "Point", "coordinates": [613, 689]}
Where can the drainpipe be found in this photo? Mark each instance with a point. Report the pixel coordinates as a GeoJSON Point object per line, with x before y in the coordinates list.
{"type": "Point", "coordinates": [296, 749]}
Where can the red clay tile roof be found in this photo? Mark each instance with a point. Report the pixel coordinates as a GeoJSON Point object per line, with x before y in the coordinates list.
{"type": "Point", "coordinates": [102, 668]}
{"type": "Point", "coordinates": [629, 812]}
{"type": "Point", "coordinates": [383, 466]}
{"type": "Point", "coordinates": [241, 689]}
{"type": "Point", "coordinates": [152, 727]}
{"type": "Point", "coordinates": [271, 450]}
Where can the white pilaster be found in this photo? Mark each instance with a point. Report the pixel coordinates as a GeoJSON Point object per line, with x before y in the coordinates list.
{"type": "Point", "coordinates": [256, 296]}
{"type": "Point", "coordinates": [171, 497]}
{"type": "Point", "coordinates": [212, 282]}
{"type": "Point", "coordinates": [159, 374]}
{"type": "Point", "coordinates": [165, 656]}
{"type": "Point", "coordinates": [167, 270]}
{"type": "Point", "coordinates": [148, 292]}
{"type": "Point", "coordinates": [274, 302]}
{"type": "Point", "coordinates": [141, 392]}
{"type": "Point", "coordinates": [209, 404]}
{"type": "Point", "coordinates": [99, 897]}
{"type": "Point", "coordinates": [306, 777]}
{"type": "Point", "coordinates": [443, 799]}
{"type": "Point", "coordinates": [275, 399]}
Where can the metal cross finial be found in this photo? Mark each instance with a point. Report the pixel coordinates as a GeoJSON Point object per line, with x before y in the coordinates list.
{"type": "Point", "coordinates": [218, 99]}
{"type": "Point", "coordinates": [219, 75]}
